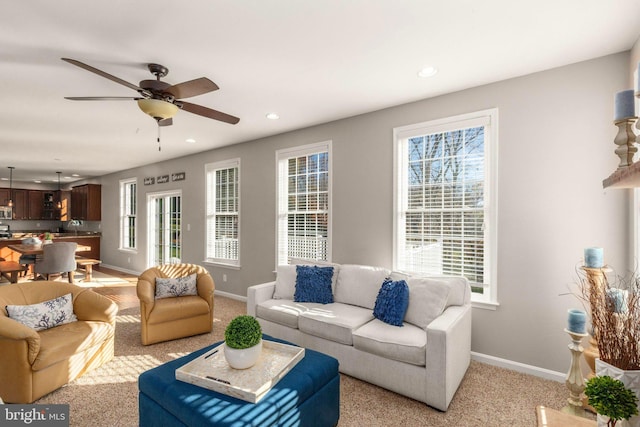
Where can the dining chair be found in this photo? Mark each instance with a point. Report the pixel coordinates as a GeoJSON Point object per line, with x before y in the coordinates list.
{"type": "Point", "coordinates": [57, 258]}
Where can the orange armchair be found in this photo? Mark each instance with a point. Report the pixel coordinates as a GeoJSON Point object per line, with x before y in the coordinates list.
{"type": "Point", "coordinates": [34, 363]}
{"type": "Point", "coordinates": [177, 317]}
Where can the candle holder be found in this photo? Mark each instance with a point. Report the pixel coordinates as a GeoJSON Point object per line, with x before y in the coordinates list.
{"type": "Point", "coordinates": [625, 140]}
{"type": "Point", "coordinates": [575, 379]}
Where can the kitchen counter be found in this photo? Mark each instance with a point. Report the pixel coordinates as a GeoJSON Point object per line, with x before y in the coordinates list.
{"type": "Point", "coordinates": [86, 238]}
{"type": "Point", "coordinates": [19, 235]}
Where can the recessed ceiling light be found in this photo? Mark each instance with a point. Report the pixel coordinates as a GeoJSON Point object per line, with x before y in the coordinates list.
{"type": "Point", "coordinates": [427, 71]}
{"type": "Point", "coordinates": [190, 140]}
{"type": "Point", "coordinates": [272, 116]}
{"type": "Point", "coordinates": [37, 181]}
{"type": "Point", "coordinates": [75, 175]}
{"type": "Point", "coordinates": [4, 179]}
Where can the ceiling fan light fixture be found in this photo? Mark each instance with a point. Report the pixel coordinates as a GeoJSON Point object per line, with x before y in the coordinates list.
{"type": "Point", "coordinates": [157, 108]}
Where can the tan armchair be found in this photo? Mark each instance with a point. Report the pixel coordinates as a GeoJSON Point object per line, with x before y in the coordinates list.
{"type": "Point", "coordinates": [34, 363]}
{"type": "Point", "coordinates": [170, 318]}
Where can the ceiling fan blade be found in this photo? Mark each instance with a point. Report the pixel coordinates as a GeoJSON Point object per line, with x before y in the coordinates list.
{"type": "Point", "coordinates": [102, 98]}
{"type": "Point", "coordinates": [165, 122]}
{"type": "Point", "coordinates": [102, 73]}
{"type": "Point", "coordinates": [192, 88]}
{"type": "Point", "coordinates": [207, 112]}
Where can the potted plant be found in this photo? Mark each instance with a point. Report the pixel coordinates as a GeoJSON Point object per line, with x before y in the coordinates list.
{"type": "Point", "coordinates": [610, 398]}
{"type": "Point", "coordinates": [615, 325]}
{"type": "Point", "coordinates": [243, 342]}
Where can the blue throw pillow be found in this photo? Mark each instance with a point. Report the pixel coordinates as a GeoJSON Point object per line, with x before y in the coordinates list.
{"type": "Point", "coordinates": [313, 284]}
{"type": "Point", "coordinates": [392, 302]}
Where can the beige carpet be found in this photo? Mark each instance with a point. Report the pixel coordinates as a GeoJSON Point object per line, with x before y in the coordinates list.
{"type": "Point", "coordinates": [488, 396]}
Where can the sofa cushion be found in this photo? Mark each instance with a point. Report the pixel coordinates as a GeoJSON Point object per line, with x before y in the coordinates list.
{"type": "Point", "coordinates": [44, 315]}
{"type": "Point", "coordinates": [407, 344]}
{"type": "Point", "coordinates": [169, 309]}
{"type": "Point", "coordinates": [334, 322]}
{"type": "Point", "coordinates": [60, 343]}
{"type": "Point", "coordinates": [283, 312]}
{"type": "Point", "coordinates": [392, 302]}
{"type": "Point", "coordinates": [285, 282]}
{"type": "Point", "coordinates": [168, 287]}
{"type": "Point", "coordinates": [320, 263]}
{"type": "Point", "coordinates": [359, 285]}
{"type": "Point", "coordinates": [313, 284]}
{"type": "Point", "coordinates": [427, 300]}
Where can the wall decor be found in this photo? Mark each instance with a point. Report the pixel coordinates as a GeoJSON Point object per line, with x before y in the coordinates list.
{"type": "Point", "coordinates": [178, 176]}
{"type": "Point", "coordinates": [149, 181]}
{"type": "Point", "coordinates": [162, 179]}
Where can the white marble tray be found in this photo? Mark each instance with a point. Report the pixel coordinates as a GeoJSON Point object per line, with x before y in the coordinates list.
{"type": "Point", "coordinates": [212, 371]}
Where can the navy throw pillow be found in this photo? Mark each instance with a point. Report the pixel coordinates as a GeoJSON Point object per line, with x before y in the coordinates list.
{"type": "Point", "coordinates": [313, 284]}
{"type": "Point", "coordinates": [392, 302]}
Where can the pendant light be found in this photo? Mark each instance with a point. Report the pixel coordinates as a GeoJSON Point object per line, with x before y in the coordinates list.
{"type": "Point", "coordinates": [59, 204]}
{"type": "Point", "coordinates": [11, 168]}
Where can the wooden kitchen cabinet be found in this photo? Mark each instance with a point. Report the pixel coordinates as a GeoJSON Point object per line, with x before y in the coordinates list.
{"type": "Point", "coordinates": [4, 196]}
{"type": "Point", "coordinates": [86, 202]}
{"type": "Point", "coordinates": [63, 197]}
{"type": "Point", "coordinates": [20, 204]}
{"type": "Point", "coordinates": [36, 204]}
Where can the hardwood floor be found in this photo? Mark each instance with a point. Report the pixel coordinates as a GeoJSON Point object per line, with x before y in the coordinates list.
{"type": "Point", "coordinates": [123, 294]}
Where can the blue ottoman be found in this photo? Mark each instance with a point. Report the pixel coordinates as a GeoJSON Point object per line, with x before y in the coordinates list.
{"type": "Point", "coordinates": [309, 395]}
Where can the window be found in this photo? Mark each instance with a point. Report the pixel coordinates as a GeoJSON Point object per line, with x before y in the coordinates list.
{"type": "Point", "coordinates": [304, 203]}
{"type": "Point", "coordinates": [223, 208]}
{"type": "Point", "coordinates": [128, 214]}
{"type": "Point", "coordinates": [445, 201]}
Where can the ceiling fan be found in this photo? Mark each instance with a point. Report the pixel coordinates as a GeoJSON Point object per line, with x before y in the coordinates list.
{"type": "Point", "coordinates": [159, 99]}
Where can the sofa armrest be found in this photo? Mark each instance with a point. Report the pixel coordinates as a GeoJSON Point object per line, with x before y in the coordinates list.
{"type": "Point", "coordinates": [257, 294]}
{"type": "Point", "coordinates": [448, 354]}
{"type": "Point", "coordinates": [146, 290]}
{"type": "Point", "coordinates": [205, 285]}
{"type": "Point", "coordinates": [89, 305]}
{"type": "Point", "coordinates": [12, 336]}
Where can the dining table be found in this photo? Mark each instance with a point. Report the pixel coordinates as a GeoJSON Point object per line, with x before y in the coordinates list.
{"type": "Point", "coordinates": [25, 249]}
{"type": "Point", "coordinates": [28, 249]}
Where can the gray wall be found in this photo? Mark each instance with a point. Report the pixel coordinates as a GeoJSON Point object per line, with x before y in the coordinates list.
{"type": "Point", "coordinates": [555, 148]}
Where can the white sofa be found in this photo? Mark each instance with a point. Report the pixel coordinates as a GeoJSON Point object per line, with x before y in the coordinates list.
{"type": "Point", "coordinates": [425, 359]}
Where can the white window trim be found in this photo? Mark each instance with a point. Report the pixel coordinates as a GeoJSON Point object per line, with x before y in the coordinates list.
{"type": "Point", "coordinates": [121, 247]}
{"type": "Point", "coordinates": [489, 298]}
{"type": "Point", "coordinates": [212, 167]}
{"type": "Point", "coordinates": [281, 188]}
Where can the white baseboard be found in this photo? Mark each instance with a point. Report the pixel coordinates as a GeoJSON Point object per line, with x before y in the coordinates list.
{"type": "Point", "coordinates": [519, 367]}
{"type": "Point", "coordinates": [230, 295]}
{"type": "Point", "coordinates": [124, 270]}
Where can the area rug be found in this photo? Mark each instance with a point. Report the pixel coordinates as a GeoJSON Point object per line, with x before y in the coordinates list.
{"type": "Point", "coordinates": [108, 396]}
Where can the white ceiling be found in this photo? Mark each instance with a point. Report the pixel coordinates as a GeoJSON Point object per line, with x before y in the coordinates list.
{"type": "Point", "coordinates": [311, 61]}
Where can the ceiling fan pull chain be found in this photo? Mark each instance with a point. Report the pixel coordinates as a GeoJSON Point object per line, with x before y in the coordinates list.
{"type": "Point", "coordinates": [159, 147]}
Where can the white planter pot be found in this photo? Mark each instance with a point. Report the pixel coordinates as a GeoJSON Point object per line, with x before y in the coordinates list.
{"type": "Point", "coordinates": [244, 358]}
{"type": "Point", "coordinates": [630, 379]}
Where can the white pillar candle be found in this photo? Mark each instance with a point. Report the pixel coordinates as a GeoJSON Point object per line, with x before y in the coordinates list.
{"type": "Point", "coordinates": [624, 105]}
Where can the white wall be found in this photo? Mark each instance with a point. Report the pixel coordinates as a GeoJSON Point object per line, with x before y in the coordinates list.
{"type": "Point", "coordinates": [555, 136]}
